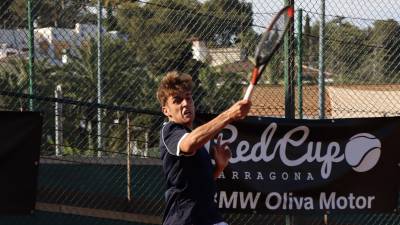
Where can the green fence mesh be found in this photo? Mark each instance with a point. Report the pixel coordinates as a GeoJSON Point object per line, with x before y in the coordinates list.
{"type": "Point", "coordinates": [92, 68]}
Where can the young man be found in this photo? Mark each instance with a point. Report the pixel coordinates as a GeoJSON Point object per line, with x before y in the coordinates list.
{"type": "Point", "coordinates": [187, 165]}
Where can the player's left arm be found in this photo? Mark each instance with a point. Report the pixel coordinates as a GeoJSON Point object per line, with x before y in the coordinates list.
{"type": "Point", "coordinates": [221, 155]}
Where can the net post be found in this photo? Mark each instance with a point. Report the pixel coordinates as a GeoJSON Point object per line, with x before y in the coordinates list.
{"type": "Point", "coordinates": [299, 54]}
{"type": "Point", "coordinates": [289, 56]}
{"type": "Point", "coordinates": [289, 76]}
{"type": "Point", "coordinates": [321, 73]}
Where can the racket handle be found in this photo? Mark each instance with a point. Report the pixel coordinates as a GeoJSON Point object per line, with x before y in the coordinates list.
{"type": "Point", "coordinates": [249, 92]}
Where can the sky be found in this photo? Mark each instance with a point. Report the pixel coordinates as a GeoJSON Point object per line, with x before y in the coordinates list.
{"type": "Point", "coordinates": [362, 12]}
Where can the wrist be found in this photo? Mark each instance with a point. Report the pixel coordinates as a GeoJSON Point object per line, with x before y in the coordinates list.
{"type": "Point", "coordinates": [220, 167]}
{"type": "Point", "coordinates": [227, 117]}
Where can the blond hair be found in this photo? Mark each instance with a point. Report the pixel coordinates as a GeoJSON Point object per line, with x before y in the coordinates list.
{"type": "Point", "coordinates": [173, 82]}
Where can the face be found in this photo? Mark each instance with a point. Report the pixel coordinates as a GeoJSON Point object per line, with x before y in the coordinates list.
{"type": "Point", "coordinates": [179, 108]}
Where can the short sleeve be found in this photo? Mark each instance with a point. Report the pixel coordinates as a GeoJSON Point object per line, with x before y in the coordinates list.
{"type": "Point", "coordinates": [171, 136]}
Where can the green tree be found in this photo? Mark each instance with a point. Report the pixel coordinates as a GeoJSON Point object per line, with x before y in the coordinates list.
{"type": "Point", "coordinates": [110, 6]}
{"type": "Point", "coordinates": [14, 77]}
{"type": "Point", "coordinates": [217, 90]}
{"type": "Point", "coordinates": [50, 13]}
{"type": "Point", "coordinates": [174, 22]}
{"type": "Point", "coordinates": [124, 83]}
{"type": "Point", "coordinates": [275, 69]}
{"type": "Point", "coordinates": [9, 19]}
{"type": "Point", "coordinates": [162, 44]}
{"type": "Point", "coordinates": [161, 32]}
{"type": "Point", "coordinates": [120, 71]}
{"type": "Point", "coordinates": [343, 52]}
{"type": "Point", "coordinates": [247, 42]}
{"type": "Point", "coordinates": [385, 37]}
{"type": "Point", "coordinates": [310, 43]}
{"type": "Point", "coordinates": [225, 19]}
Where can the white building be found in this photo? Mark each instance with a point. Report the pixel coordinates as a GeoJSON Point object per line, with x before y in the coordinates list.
{"type": "Point", "coordinates": [200, 51]}
{"type": "Point", "coordinates": [7, 52]}
{"type": "Point", "coordinates": [215, 56]}
{"type": "Point", "coordinates": [49, 41]}
{"type": "Point", "coordinates": [52, 41]}
{"type": "Point", "coordinates": [16, 39]}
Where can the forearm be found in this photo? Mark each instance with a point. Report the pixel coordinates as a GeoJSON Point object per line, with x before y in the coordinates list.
{"type": "Point", "coordinates": [201, 135]}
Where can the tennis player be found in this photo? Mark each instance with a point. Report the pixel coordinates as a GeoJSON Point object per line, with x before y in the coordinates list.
{"type": "Point", "coordinates": [187, 166]}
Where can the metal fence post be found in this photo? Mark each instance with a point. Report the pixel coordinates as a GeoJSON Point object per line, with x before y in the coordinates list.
{"type": "Point", "coordinates": [99, 90]}
{"type": "Point", "coordinates": [128, 158]}
{"type": "Point", "coordinates": [58, 121]}
{"type": "Point", "coordinates": [289, 67]}
{"type": "Point", "coordinates": [289, 76]}
{"type": "Point", "coordinates": [300, 61]}
{"type": "Point", "coordinates": [321, 73]}
{"type": "Point", "coordinates": [31, 46]}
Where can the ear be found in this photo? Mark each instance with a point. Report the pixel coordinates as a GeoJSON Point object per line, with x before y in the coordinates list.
{"type": "Point", "coordinates": [166, 111]}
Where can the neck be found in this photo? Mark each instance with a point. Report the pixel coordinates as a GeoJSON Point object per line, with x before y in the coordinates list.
{"type": "Point", "coordinates": [188, 125]}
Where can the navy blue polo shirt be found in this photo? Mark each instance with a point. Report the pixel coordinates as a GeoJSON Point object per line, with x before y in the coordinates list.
{"type": "Point", "coordinates": [190, 183]}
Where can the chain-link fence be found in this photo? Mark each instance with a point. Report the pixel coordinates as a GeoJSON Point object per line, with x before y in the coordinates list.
{"type": "Point", "coordinates": [92, 69]}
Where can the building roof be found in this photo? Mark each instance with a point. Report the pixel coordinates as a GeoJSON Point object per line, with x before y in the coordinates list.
{"type": "Point", "coordinates": [341, 101]}
{"type": "Point", "coordinates": [365, 100]}
{"type": "Point", "coordinates": [269, 100]}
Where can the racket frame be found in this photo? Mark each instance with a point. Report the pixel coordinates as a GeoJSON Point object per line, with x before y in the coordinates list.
{"type": "Point", "coordinates": [260, 66]}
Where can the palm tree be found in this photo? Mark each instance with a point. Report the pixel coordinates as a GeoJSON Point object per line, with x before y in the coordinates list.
{"type": "Point", "coordinates": [125, 82]}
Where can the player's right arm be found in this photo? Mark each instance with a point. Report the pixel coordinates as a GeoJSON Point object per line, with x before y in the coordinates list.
{"type": "Point", "coordinates": [202, 134]}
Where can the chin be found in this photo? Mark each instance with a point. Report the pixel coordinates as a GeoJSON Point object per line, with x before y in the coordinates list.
{"type": "Point", "coordinates": [188, 122]}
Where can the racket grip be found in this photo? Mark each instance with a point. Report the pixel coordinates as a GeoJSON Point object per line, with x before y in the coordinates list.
{"type": "Point", "coordinates": [249, 92]}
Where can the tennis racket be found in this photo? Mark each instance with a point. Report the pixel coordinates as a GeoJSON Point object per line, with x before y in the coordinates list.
{"type": "Point", "coordinates": [269, 43]}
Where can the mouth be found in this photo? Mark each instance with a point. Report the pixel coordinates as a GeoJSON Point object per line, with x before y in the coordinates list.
{"type": "Point", "coordinates": [187, 113]}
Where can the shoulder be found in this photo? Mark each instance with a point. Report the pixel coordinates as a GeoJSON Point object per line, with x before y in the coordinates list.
{"type": "Point", "coordinates": [171, 136]}
{"type": "Point", "coordinates": [170, 127]}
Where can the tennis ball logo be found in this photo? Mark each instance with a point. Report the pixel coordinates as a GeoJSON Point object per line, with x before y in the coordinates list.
{"type": "Point", "coordinates": [362, 152]}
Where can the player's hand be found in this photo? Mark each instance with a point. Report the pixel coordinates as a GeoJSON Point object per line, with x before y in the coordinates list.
{"type": "Point", "coordinates": [221, 154]}
{"type": "Point", "coordinates": [239, 110]}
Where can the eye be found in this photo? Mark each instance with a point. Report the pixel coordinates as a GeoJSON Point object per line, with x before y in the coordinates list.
{"type": "Point", "coordinates": [177, 99]}
{"type": "Point", "coordinates": [189, 98]}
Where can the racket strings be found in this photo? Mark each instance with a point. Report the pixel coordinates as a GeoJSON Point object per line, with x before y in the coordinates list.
{"type": "Point", "coordinates": [270, 40]}
{"type": "Point", "coordinates": [268, 44]}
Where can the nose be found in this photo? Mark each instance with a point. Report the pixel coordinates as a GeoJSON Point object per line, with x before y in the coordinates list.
{"type": "Point", "coordinates": [185, 102]}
